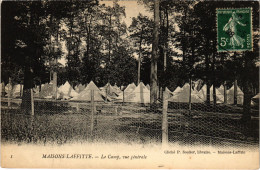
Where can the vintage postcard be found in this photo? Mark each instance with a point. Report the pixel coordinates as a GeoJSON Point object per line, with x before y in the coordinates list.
{"type": "Point", "coordinates": [159, 84]}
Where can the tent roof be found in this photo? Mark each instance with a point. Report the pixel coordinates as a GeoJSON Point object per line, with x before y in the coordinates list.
{"type": "Point", "coordinates": [183, 95]}
{"type": "Point", "coordinates": [177, 90]}
{"type": "Point", "coordinates": [132, 94]}
{"type": "Point", "coordinates": [231, 91]}
{"type": "Point", "coordinates": [130, 87]}
{"type": "Point", "coordinates": [85, 95]}
{"type": "Point", "coordinates": [139, 95]}
{"type": "Point", "coordinates": [219, 95]}
{"type": "Point", "coordinates": [91, 86]}
{"type": "Point", "coordinates": [167, 90]}
{"type": "Point", "coordinates": [257, 96]}
{"type": "Point", "coordinates": [66, 91]}
{"type": "Point", "coordinates": [230, 96]}
{"type": "Point", "coordinates": [141, 89]}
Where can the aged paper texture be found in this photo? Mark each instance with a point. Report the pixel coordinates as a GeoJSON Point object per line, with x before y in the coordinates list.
{"type": "Point", "coordinates": [130, 84]}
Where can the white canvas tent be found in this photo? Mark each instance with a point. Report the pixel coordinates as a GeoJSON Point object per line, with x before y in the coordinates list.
{"type": "Point", "coordinates": [230, 96]}
{"type": "Point", "coordinates": [255, 100]}
{"type": "Point", "coordinates": [177, 90]}
{"type": "Point", "coordinates": [148, 86]}
{"type": "Point", "coordinates": [219, 95]}
{"type": "Point", "coordinates": [183, 95]}
{"type": "Point", "coordinates": [131, 87]}
{"type": "Point", "coordinates": [202, 93]}
{"type": "Point", "coordinates": [256, 96]}
{"type": "Point", "coordinates": [168, 93]}
{"type": "Point", "coordinates": [46, 90]}
{"type": "Point", "coordinates": [221, 89]}
{"type": "Point", "coordinates": [85, 95]}
{"type": "Point", "coordinates": [15, 90]}
{"type": "Point", "coordinates": [139, 95]}
{"type": "Point", "coordinates": [66, 91]}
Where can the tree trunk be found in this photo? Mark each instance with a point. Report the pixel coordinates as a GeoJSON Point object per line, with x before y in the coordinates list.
{"type": "Point", "coordinates": [9, 91]}
{"type": "Point", "coordinates": [235, 92]}
{"type": "Point", "coordinates": [28, 84]}
{"type": "Point", "coordinates": [214, 95]}
{"type": "Point", "coordinates": [3, 89]}
{"type": "Point", "coordinates": [54, 85]}
{"type": "Point", "coordinates": [214, 79]}
{"type": "Point", "coordinates": [190, 95]}
{"type": "Point", "coordinates": [225, 92]}
{"type": "Point", "coordinates": [235, 82]}
{"type": "Point", "coordinates": [207, 80]}
{"type": "Point", "coordinates": [247, 102]}
{"type": "Point", "coordinates": [55, 78]}
{"type": "Point", "coordinates": [139, 59]}
{"type": "Point", "coordinates": [248, 93]}
{"type": "Point", "coordinates": [153, 94]}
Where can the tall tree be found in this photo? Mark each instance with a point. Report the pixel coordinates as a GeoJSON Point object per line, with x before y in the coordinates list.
{"type": "Point", "coordinates": [155, 55]}
{"type": "Point", "coordinates": [141, 34]}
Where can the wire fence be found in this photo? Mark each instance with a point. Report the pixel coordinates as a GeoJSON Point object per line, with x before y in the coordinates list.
{"type": "Point", "coordinates": [98, 116]}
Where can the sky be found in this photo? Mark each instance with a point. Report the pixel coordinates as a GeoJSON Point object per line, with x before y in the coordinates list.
{"type": "Point", "coordinates": [132, 9]}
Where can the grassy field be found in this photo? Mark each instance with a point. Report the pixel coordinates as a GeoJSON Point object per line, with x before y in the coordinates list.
{"type": "Point", "coordinates": [128, 124]}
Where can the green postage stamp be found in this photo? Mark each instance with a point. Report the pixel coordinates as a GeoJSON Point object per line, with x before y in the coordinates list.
{"type": "Point", "coordinates": [234, 29]}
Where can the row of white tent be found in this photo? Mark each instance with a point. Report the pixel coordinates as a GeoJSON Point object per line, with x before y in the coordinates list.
{"type": "Point", "coordinates": [183, 94]}
{"type": "Point", "coordinates": [132, 93]}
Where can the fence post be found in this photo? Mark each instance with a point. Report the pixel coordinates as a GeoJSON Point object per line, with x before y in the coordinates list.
{"type": "Point", "coordinates": [77, 107]}
{"type": "Point", "coordinates": [32, 102]}
{"type": "Point", "coordinates": [92, 114]}
{"type": "Point", "coordinates": [165, 121]}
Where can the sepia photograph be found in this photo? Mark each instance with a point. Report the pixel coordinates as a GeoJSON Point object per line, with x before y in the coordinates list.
{"type": "Point", "coordinates": [158, 84]}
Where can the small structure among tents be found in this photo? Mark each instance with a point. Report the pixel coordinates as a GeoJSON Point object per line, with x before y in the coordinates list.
{"type": "Point", "coordinates": [139, 95]}
{"type": "Point", "coordinates": [85, 95]}
{"type": "Point", "coordinates": [66, 91]}
{"type": "Point", "coordinates": [230, 96]}
{"type": "Point", "coordinates": [182, 95]}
